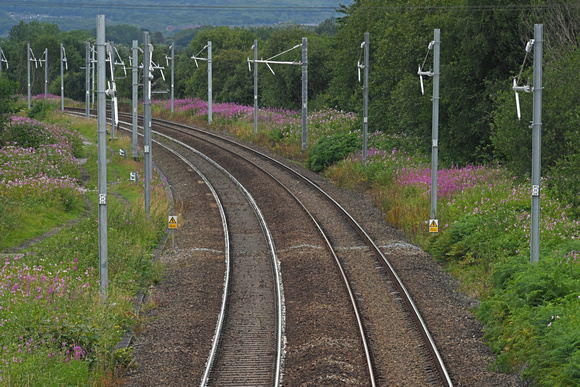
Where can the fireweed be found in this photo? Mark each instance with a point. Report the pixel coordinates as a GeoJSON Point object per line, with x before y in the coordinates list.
{"type": "Point", "coordinates": [54, 329]}
{"type": "Point", "coordinates": [320, 122]}
{"type": "Point", "coordinates": [26, 132]}
{"type": "Point", "coordinates": [46, 169]}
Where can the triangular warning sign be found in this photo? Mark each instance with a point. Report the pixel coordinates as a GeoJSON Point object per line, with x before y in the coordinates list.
{"type": "Point", "coordinates": [172, 222]}
{"type": "Point", "coordinates": [433, 225]}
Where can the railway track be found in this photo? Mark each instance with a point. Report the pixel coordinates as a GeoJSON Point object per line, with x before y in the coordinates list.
{"type": "Point", "coordinates": [360, 260]}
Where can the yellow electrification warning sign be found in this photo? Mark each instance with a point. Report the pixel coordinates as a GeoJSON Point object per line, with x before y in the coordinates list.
{"type": "Point", "coordinates": [172, 221]}
{"type": "Point", "coordinates": [433, 225]}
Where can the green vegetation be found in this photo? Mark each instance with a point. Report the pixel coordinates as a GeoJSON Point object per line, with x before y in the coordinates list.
{"type": "Point", "coordinates": [56, 328]}
{"type": "Point", "coordinates": [530, 312]}
{"type": "Point", "coordinates": [329, 150]}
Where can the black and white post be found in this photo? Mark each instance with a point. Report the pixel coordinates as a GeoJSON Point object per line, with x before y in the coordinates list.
{"type": "Point", "coordinates": [102, 152]}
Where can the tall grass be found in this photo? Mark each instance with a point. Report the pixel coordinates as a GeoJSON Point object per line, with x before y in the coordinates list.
{"type": "Point", "coordinates": [56, 329]}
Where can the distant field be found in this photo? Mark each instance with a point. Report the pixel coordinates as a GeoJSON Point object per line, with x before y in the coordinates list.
{"type": "Point", "coordinates": [168, 17]}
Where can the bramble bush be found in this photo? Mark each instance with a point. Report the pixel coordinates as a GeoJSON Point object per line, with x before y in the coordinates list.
{"type": "Point", "coordinates": [331, 149]}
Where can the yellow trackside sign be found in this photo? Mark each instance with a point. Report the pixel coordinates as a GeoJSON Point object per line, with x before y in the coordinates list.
{"type": "Point", "coordinates": [172, 221]}
{"type": "Point", "coordinates": [433, 225]}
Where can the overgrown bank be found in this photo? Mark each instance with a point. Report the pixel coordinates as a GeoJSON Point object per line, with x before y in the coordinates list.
{"type": "Point", "coordinates": [56, 328]}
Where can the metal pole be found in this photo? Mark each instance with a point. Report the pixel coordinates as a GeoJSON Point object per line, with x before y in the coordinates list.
{"type": "Point", "coordinates": [93, 63]}
{"type": "Point", "coordinates": [172, 77]}
{"type": "Point", "coordinates": [135, 96]}
{"type": "Point", "coordinates": [536, 143]}
{"type": "Point", "coordinates": [61, 78]}
{"type": "Point", "coordinates": [87, 79]}
{"type": "Point", "coordinates": [255, 86]}
{"type": "Point", "coordinates": [209, 85]}
{"type": "Point", "coordinates": [435, 122]}
{"type": "Point", "coordinates": [0, 62]}
{"type": "Point", "coordinates": [28, 61]}
{"type": "Point", "coordinates": [102, 151]}
{"type": "Point", "coordinates": [147, 119]}
{"type": "Point", "coordinates": [304, 93]}
{"type": "Point", "coordinates": [46, 73]}
{"type": "Point", "coordinates": [366, 99]}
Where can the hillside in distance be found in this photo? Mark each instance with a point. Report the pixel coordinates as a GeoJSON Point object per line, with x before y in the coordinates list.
{"type": "Point", "coordinates": [167, 16]}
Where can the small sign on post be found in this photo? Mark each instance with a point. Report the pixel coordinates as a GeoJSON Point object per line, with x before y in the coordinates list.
{"type": "Point", "coordinates": [123, 153]}
{"type": "Point", "coordinates": [433, 225]}
{"type": "Point", "coordinates": [135, 177]}
{"type": "Point", "coordinates": [172, 224]}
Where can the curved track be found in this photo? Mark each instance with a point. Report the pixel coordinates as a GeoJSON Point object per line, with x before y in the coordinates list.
{"type": "Point", "coordinates": [430, 362]}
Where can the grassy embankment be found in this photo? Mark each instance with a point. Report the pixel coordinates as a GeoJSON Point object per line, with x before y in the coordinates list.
{"type": "Point", "coordinates": [56, 330]}
{"type": "Point", "coordinates": [531, 312]}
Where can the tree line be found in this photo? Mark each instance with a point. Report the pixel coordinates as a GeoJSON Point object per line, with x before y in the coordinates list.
{"type": "Point", "coordinates": [482, 49]}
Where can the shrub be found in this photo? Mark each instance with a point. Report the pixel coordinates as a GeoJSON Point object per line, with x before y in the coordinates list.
{"type": "Point", "coordinates": [331, 149]}
{"type": "Point", "coordinates": [40, 109]}
{"type": "Point", "coordinates": [7, 105]}
{"type": "Point", "coordinates": [564, 181]}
